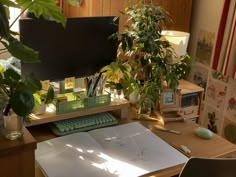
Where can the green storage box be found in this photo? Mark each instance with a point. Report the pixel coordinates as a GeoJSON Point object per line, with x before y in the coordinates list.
{"type": "Point", "coordinates": [81, 104]}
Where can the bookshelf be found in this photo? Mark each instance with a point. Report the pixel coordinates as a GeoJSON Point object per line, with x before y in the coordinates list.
{"type": "Point", "coordinates": [182, 106]}
{"type": "Point", "coordinates": [187, 91]}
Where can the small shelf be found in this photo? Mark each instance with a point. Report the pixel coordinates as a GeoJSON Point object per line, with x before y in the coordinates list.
{"type": "Point", "coordinates": [188, 87]}
{"type": "Point", "coordinates": [121, 107]}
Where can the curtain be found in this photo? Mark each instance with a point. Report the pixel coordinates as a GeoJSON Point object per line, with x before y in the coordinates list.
{"type": "Point", "coordinates": [225, 51]}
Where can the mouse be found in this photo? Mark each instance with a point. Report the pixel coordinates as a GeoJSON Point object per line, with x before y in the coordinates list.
{"type": "Point", "coordinates": [203, 133]}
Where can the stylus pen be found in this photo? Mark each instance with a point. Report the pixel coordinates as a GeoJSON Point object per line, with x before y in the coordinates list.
{"type": "Point", "coordinates": [168, 130]}
{"type": "Point", "coordinates": [182, 149]}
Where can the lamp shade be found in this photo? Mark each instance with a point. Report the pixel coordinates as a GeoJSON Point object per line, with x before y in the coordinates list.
{"type": "Point", "coordinates": [178, 40]}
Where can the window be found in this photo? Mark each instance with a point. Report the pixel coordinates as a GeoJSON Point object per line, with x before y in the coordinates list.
{"type": "Point", "coordinates": [14, 13]}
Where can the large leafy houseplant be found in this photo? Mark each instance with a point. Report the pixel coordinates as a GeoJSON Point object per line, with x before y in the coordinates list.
{"type": "Point", "coordinates": [116, 73]}
{"type": "Point", "coordinates": [20, 92]}
{"type": "Point", "coordinates": [142, 45]}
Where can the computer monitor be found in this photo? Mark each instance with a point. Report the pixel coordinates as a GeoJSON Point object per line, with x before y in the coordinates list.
{"type": "Point", "coordinates": [81, 49]}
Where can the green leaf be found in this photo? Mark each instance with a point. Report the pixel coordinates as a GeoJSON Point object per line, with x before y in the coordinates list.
{"type": "Point", "coordinates": [10, 3]}
{"type": "Point", "coordinates": [22, 52]}
{"type": "Point", "coordinates": [50, 95]}
{"type": "Point", "coordinates": [12, 74]}
{"type": "Point", "coordinates": [22, 101]}
{"type": "Point", "coordinates": [33, 83]}
{"type": "Point", "coordinates": [45, 8]}
{"type": "Point", "coordinates": [4, 24]}
{"type": "Point", "coordinates": [37, 99]}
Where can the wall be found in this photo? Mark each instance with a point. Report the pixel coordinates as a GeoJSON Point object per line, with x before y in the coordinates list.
{"type": "Point", "coordinates": [219, 106]}
{"type": "Point", "coordinates": [4, 55]}
{"type": "Point", "coordinates": [97, 8]}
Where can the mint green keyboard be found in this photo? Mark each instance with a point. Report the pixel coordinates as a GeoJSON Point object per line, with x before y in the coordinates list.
{"type": "Point", "coordinates": [83, 123]}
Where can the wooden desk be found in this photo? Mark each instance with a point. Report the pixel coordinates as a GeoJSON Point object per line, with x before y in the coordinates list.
{"type": "Point", "coordinates": [17, 156]}
{"type": "Point", "coordinates": [216, 147]}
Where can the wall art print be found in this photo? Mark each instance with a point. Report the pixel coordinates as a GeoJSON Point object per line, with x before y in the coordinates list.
{"type": "Point", "coordinates": [230, 108]}
{"type": "Point", "coordinates": [216, 93]}
{"type": "Point", "coordinates": [213, 119]}
{"type": "Point", "coordinates": [205, 43]}
{"type": "Point", "coordinates": [199, 76]}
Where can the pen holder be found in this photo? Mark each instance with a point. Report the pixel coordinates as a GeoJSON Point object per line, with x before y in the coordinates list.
{"type": "Point", "coordinates": [101, 100]}
{"type": "Point", "coordinates": [82, 103]}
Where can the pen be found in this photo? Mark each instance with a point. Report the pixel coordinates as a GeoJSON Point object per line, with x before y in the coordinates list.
{"type": "Point", "coordinates": [167, 130]}
{"type": "Point", "coordinates": [146, 119]}
{"type": "Point", "coordinates": [183, 149]}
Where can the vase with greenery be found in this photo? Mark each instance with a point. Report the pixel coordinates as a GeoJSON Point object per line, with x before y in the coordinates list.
{"type": "Point", "coordinates": [16, 91]}
{"type": "Point", "coordinates": [142, 46]}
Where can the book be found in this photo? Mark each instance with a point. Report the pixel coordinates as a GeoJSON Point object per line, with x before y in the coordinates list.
{"type": "Point", "coordinates": [127, 150]}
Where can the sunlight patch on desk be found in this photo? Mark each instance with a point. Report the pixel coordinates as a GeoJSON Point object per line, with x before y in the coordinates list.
{"type": "Point", "coordinates": [34, 116]}
{"type": "Point", "coordinates": [51, 108]}
{"type": "Point", "coordinates": [120, 168]}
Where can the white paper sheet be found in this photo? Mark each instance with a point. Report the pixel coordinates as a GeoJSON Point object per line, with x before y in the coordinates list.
{"type": "Point", "coordinates": [127, 150]}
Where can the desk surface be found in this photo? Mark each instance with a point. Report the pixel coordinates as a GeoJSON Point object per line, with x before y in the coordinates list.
{"type": "Point", "coordinates": [17, 156]}
{"type": "Point", "coordinates": [216, 147]}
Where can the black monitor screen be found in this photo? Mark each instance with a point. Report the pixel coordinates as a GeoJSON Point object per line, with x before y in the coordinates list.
{"type": "Point", "coordinates": [80, 49]}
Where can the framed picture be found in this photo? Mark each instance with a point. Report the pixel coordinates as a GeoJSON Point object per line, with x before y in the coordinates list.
{"type": "Point", "coordinates": [169, 100]}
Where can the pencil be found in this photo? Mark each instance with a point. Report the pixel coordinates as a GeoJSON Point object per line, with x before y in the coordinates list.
{"type": "Point", "coordinates": [167, 130]}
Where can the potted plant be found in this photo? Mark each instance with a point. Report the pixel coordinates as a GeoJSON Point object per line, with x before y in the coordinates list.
{"type": "Point", "coordinates": [19, 93]}
{"type": "Point", "coordinates": [42, 98]}
{"type": "Point", "coordinates": [142, 46]}
{"type": "Point", "coordinates": [116, 73]}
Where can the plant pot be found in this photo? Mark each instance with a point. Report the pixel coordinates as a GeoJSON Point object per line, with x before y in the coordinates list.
{"type": "Point", "coordinates": [134, 97]}
{"type": "Point", "coordinates": [145, 107]}
{"type": "Point", "coordinates": [40, 109]}
{"type": "Point", "coordinates": [13, 126]}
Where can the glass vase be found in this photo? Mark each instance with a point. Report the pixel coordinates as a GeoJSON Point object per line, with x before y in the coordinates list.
{"type": "Point", "coordinates": [145, 107]}
{"type": "Point", "coordinates": [13, 126]}
{"type": "Point", "coordinates": [3, 104]}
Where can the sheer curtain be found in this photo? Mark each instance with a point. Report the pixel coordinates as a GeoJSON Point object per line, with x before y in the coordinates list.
{"type": "Point", "coordinates": [225, 51]}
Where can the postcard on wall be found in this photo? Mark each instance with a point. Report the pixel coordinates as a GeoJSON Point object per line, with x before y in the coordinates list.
{"type": "Point", "coordinates": [215, 93]}
{"type": "Point", "coordinates": [212, 119]}
{"type": "Point", "coordinates": [230, 108]}
{"type": "Point", "coordinates": [199, 75]}
{"type": "Point", "coordinates": [205, 43]}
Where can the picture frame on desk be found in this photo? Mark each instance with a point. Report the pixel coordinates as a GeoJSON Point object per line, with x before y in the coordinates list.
{"type": "Point", "coordinates": [170, 100]}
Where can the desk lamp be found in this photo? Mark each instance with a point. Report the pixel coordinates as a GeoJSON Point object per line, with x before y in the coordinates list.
{"type": "Point", "coordinates": [179, 43]}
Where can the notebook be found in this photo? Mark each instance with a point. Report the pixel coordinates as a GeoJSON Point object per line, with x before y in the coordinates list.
{"type": "Point", "coordinates": [128, 150]}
